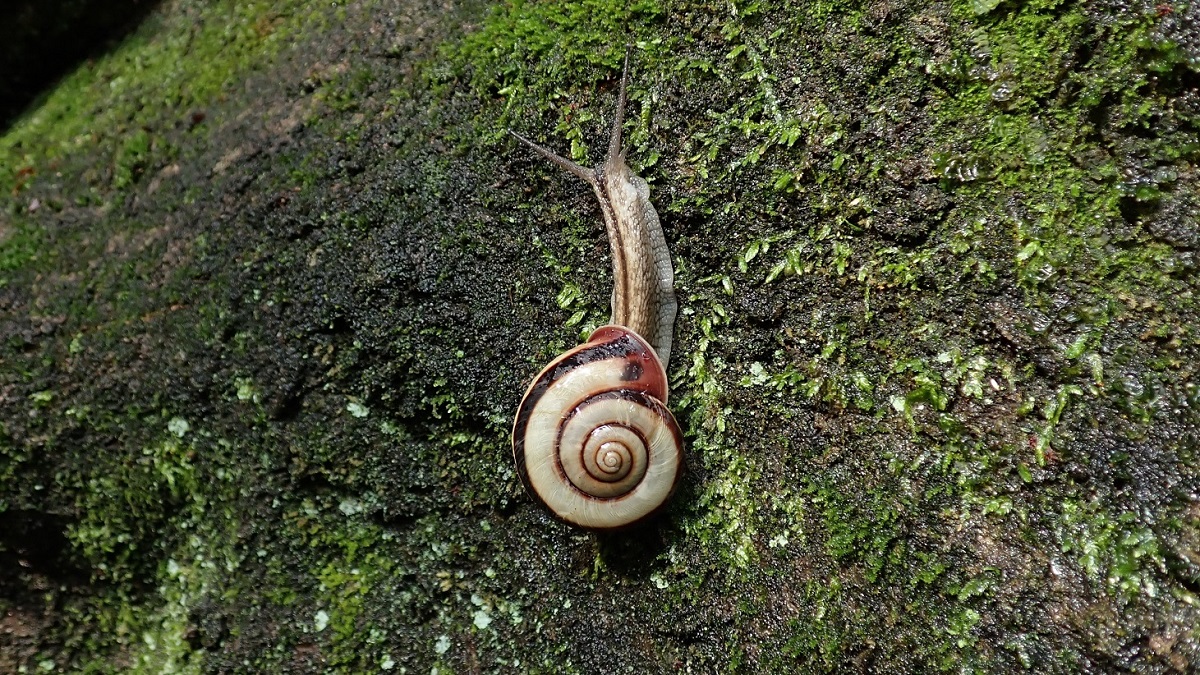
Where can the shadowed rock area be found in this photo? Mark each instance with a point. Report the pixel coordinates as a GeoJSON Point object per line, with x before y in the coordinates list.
{"type": "Point", "coordinates": [42, 40]}
{"type": "Point", "coordinates": [273, 279]}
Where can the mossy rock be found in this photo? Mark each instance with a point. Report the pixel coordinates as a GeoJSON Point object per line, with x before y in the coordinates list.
{"type": "Point", "coordinates": [273, 278]}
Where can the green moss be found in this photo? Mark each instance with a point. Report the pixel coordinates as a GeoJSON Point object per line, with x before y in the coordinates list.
{"type": "Point", "coordinates": [1116, 552]}
{"type": "Point", "coordinates": [102, 103]}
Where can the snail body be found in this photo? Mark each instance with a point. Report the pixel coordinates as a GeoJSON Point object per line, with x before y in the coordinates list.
{"type": "Point", "coordinates": [593, 439]}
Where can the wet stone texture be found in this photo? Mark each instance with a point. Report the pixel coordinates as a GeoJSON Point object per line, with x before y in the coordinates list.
{"type": "Point", "coordinates": [273, 279]}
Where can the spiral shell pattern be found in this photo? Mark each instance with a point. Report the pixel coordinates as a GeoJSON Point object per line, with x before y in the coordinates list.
{"type": "Point", "coordinates": [593, 439]}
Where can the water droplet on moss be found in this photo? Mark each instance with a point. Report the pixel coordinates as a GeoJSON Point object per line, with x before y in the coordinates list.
{"type": "Point", "coordinates": [1003, 91]}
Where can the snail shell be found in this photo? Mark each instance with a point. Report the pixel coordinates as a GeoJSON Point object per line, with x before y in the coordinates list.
{"type": "Point", "coordinates": [593, 438]}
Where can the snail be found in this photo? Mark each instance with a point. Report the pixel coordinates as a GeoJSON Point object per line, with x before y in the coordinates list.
{"type": "Point", "coordinates": [593, 440]}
